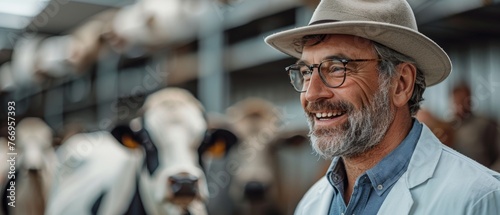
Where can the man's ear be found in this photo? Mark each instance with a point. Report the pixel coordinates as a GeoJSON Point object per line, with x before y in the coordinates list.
{"type": "Point", "coordinates": [126, 136]}
{"type": "Point", "coordinates": [217, 142]}
{"type": "Point", "coordinates": [404, 84]}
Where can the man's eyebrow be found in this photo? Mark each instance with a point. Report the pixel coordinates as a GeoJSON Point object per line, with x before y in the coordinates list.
{"type": "Point", "coordinates": [300, 61]}
{"type": "Point", "coordinates": [330, 57]}
{"type": "Point", "coordinates": [337, 57]}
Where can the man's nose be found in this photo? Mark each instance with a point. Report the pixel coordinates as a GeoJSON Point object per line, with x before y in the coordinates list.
{"type": "Point", "coordinates": [317, 90]}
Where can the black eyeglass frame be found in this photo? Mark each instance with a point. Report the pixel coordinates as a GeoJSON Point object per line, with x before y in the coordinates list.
{"type": "Point", "coordinates": [312, 66]}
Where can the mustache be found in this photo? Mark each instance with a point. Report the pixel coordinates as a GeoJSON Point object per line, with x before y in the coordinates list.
{"type": "Point", "coordinates": [327, 105]}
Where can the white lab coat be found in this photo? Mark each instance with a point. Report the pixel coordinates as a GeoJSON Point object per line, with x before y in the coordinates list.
{"type": "Point", "coordinates": [438, 181]}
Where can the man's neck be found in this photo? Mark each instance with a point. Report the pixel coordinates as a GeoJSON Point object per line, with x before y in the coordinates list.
{"type": "Point", "coordinates": [356, 166]}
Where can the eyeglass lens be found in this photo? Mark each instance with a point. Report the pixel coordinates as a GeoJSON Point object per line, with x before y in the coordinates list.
{"type": "Point", "coordinates": [332, 73]}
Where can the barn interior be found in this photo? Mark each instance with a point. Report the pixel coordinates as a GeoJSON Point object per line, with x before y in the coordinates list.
{"type": "Point", "coordinates": [87, 65]}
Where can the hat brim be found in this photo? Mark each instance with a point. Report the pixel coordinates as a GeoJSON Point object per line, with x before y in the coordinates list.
{"type": "Point", "coordinates": [429, 57]}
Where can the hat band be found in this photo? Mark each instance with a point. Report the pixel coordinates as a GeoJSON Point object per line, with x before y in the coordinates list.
{"type": "Point", "coordinates": [323, 21]}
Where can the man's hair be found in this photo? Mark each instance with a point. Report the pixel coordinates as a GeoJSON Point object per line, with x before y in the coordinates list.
{"type": "Point", "coordinates": [393, 58]}
{"type": "Point", "coordinates": [387, 67]}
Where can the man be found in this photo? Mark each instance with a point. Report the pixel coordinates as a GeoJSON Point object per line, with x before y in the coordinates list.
{"type": "Point", "coordinates": [475, 136]}
{"type": "Point", "coordinates": [362, 70]}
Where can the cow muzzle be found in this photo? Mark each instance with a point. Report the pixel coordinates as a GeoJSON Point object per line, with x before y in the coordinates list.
{"type": "Point", "coordinates": [255, 191]}
{"type": "Point", "coordinates": [184, 187]}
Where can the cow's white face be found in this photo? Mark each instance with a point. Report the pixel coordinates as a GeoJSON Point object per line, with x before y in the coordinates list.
{"type": "Point", "coordinates": [34, 141]}
{"type": "Point", "coordinates": [35, 165]}
{"type": "Point", "coordinates": [176, 126]}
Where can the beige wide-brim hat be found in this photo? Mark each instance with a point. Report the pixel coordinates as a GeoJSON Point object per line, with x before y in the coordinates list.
{"type": "Point", "coordinates": [388, 22]}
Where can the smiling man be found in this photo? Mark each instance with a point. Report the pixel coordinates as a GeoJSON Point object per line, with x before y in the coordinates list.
{"type": "Point", "coordinates": [361, 71]}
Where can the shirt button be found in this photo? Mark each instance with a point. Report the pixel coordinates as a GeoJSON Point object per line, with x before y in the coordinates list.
{"type": "Point", "coordinates": [380, 187]}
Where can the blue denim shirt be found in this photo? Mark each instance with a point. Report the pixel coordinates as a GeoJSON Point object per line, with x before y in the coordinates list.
{"type": "Point", "coordinates": [371, 188]}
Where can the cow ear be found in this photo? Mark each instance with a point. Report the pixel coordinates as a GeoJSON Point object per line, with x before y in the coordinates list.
{"type": "Point", "coordinates": [126, 136]}
{"type": "Point", "coordinates": [296, 140]}
{"type": "Point", "coordinates": [217, 142]}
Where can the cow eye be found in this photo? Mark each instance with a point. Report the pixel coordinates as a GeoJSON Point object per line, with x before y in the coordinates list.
{"type": "Point", "coordinates": [218, 149]}
{"type": "Point", "coordinates": [129, 142]}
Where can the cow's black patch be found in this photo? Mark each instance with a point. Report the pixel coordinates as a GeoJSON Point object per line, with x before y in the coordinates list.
{"type": "Point", "coordinates": [211, 137]}
{"type": "Point", "coordinates": [97, 203]}
{"type": "Point", "coordinates": [151, 160]}
{"type": "Point", "coordinates": [136, 207]}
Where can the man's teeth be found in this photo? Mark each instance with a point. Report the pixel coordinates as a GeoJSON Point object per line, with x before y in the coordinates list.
{"type": "Point", "coordinates": [329, 114]}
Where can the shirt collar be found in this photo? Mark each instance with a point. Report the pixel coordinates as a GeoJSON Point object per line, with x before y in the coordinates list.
{"type": "Point", "coordinates": [387, 171]}
{"type": "Point", "coordinates": [336, 174]}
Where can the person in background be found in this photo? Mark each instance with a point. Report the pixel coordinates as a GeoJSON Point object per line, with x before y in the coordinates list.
{"type": "Point", "coordinates": [361, 71]}
{"type": "Point", "coordinates": [475, 136]}
{"type": "Point", "coordinates": [441, 128]}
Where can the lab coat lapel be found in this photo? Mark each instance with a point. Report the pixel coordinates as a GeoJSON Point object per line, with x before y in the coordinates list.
{"type": "Point", "coordinates": [399, 200]}
{"type": "Point", "coordinates": [318, 202]}
{"type": "Point", "coordinates": [421, 168]}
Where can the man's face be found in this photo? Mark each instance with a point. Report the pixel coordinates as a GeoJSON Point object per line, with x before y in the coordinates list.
{"type": "Point", "coordinates": [354, 117]}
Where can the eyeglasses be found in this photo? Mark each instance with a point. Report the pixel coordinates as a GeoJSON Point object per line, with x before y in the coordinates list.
{"type": "Point", "coordinates": [331, 71]}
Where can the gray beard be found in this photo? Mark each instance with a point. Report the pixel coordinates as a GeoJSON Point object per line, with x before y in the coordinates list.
{"type": "Point", "coordinates": [364, 129]}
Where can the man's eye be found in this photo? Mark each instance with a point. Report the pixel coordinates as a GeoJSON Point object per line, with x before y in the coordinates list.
{"type": "Point", "coordinates": [335, 68]}
{"type": "Point", "coordinates": [305, 72]}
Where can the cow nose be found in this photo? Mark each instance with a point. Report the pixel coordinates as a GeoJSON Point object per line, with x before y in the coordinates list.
{"type": "Point", "coordinates": [183, 185]}
{"type": "Point", "coordinates": [33, 171]}
{"type": "Point", "coordinates": [255, 190]}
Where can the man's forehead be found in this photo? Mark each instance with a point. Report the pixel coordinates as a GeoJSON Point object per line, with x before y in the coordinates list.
{"type": "Point", "coordinates": [339, 46]}
{"type": "Point", "coordinates": [328, 57]}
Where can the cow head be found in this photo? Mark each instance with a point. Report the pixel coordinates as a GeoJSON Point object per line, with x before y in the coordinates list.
{"type": "Point", "coordinates": [151, 24]}
{"type": "Point", "coordinates": [86, 42]}
{"type": "Point", "coordinates": [35, 165]}
{"type": "Point", "coordinates": [173, 133]}
{"type": "Point", "coordinates": [34, 141]}
{"type": "Point", "coordinates": [257, 124]}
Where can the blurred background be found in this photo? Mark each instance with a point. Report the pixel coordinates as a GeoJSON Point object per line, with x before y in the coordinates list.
{"type": "Point", "coordinates": [82, 65]}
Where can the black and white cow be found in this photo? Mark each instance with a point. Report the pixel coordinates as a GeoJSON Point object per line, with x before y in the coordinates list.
{"type": "Point", "coordinates": [161, 176]}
